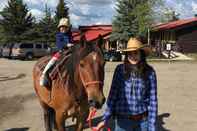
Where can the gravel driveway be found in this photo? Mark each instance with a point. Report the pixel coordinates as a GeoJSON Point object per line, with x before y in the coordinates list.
{"type": "Point", "coordinates": [177, 95]}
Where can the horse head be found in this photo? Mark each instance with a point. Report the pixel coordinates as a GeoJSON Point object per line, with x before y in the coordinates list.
{"type": "Point", "coordinates": [91, 73]}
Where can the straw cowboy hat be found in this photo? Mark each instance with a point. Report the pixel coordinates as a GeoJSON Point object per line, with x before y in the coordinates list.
{"type": "Point", "coordinates": [64, 22]}
{"type": "Point", "coordinates": [134, 44]}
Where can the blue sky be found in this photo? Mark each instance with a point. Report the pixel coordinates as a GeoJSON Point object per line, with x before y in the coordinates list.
{"type": "Point", "coordinates": [85, 12]}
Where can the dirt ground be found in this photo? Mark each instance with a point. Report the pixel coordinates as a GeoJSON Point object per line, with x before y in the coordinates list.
{"type": "Point", "coordinates": [177, 91]}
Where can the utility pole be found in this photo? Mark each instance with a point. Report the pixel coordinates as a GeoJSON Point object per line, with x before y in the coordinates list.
{"type": "Point", "coordinates": [148, 36]}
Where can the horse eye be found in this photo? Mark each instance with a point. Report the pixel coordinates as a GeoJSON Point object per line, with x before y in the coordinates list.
{"type": "Point", "coordinates": [81, 64]}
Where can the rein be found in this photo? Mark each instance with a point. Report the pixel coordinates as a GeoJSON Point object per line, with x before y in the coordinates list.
{"type": "Point", "coordinates": [89, 120]}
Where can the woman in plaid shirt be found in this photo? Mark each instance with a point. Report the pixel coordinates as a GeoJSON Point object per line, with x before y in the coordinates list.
{"type": "Point", "coordinates": [132, 100]}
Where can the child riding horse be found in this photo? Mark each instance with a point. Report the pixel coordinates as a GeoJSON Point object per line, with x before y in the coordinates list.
{"type": "Point", "coordinates": [63, 41]}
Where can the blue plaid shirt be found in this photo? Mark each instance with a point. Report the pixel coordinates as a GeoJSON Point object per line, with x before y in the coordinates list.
{"type": "Point", "coordinates": [133, 96]}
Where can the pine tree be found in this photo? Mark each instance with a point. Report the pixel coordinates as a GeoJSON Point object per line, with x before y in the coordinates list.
{"type": "Point", "coordinates": [170, 15]}
{"type": "Point", "coordinates": [46, 27]}
{"type": "Point", "coordinates": [16, 21]}
{"type": "Point", "coordinates": [61, 11]}
{"type": "Point", "coordinates": [132, 20]}
{"type": "Point", "coordinates": [1, 34]}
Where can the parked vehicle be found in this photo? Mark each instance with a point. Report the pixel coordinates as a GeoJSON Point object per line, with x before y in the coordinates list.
{"type": "Point", "coordinates": [112, 56]}
{"type": "Point", "coordinates": [7, 50]}
{"type": "Point", "coordinates": [1, 50]}
{"type": "Point", "coordinates": [30, 50]}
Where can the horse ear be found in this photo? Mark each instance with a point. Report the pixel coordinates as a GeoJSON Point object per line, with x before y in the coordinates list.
{"type": "Point", "coordinates": [83, 40]}
{"type": "Point", "coordinates": [99, 42]}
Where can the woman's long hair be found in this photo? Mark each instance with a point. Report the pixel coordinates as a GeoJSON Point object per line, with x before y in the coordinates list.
{"type": "Point", "coordinates": [139, 70]}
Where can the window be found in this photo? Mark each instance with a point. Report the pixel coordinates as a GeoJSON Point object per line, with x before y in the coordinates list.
{"type": "Point", "coordinates": [16, 45]}
{"type": "Point", "coordinates": [38, 46]}
{"type": "Point", "coordinates": [26, 46]}
{"type": "Point", "coordinates": [45, 46]}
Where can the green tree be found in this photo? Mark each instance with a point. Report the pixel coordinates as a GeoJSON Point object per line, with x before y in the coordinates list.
{"type": "Point", "coordinates": [2, 40]}
{"type": "Point", "coordinates": [16, 21]}
{"type": "Point", "coordinates": [170, 15]}
{"type": "Point", "coordinates": [133, 19]}
{"type": "Point", "coordinates": [46, 28]}
{"type": "Point", "coordinates": [61, 11]}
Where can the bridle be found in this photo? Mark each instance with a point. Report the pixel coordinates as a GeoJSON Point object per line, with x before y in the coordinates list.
{"type": "Point", "coordinates": [87, 83]}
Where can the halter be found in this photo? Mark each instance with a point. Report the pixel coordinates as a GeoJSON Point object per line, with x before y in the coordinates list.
{"type": "Point", "coordinates": [86, 84]}
{"type": "Point", "coordinates": [91, 82]}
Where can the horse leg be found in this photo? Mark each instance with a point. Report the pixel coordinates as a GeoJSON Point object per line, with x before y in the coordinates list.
{"type": "Point", "coordinates": [79, 124]}
{"type": "Point", "coordinates": [60, 120]}
{"type": "Point", "coordinates": [46, 111]}
{"type": "Point", "coordinates": [81, 120]}
{"type": "Point", "coordinates": [52, 119]}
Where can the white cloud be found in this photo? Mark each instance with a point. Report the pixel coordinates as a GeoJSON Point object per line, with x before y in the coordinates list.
{"type": "Point", "coordinates": [98, 11]}
{"type": "Point", "coordinates": [186, 9]}
{"type": "Point", "coordinates": [2, 4]}
{"type": "Point", "coordinates": [94, 2]}
{"type": "Point", "coordinates": [75, 17]}
{"type": "Point", "coordinates": [194, 7]}
{"type": "Point", "coordinates": [32, 2]}
{"type": "Point", "coordinates": [85, 9]}
{"type": "Point", "coordinates": [51, 3]}
{"type": "Point", "coordinates": [37, 13]}
{"type": "Point", "coordinates": [81, 11]}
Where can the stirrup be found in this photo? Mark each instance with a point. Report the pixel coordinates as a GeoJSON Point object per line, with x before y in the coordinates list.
{"type": "Point", "coordinates": [44, 81]}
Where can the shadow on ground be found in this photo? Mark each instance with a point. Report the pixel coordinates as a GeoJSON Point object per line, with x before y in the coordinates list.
{"type": "Point", "coordinates": [8, 78]}
{"type": "Point", "coordinates": [160, 123]}
{"type": "Point", "coordinates": [96, 120]}
{"type": "Point", "coordinates": [18, 129]}
{"type": "Point", "coordinates": [11, 105]}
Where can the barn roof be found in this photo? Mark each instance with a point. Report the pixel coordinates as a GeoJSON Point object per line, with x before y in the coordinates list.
{"type": "Point", "coordinates": [175, 24]}
{"type": "Point", "coordinates": [96, 27]}
{"type": "Point", "coordinates": [92, 32]}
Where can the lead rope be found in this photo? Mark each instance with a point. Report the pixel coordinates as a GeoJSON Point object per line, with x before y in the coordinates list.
{"type": "Point", "coordinates": [89, 120]}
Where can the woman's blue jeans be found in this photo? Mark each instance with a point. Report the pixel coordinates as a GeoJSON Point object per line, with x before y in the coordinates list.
{"type": "Point", "coordinates": [131, 125]}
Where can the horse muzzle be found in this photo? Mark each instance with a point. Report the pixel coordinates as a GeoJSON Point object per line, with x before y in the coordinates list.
{"type": "Point", "coordinates": [96, 104]}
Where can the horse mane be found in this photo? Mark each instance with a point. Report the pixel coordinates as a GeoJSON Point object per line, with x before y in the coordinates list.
{"type": "Point", "coordinates": [69, 66]}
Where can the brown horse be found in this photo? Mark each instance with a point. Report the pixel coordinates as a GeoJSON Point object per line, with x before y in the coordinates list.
{"type": "Point", "coordinates": [78, 87]}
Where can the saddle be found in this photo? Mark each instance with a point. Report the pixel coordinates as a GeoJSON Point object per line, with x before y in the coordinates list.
{"type": "Point", "coordinates": [60, 63]}
{"type": "Point", "coordinates": [54, 71]}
